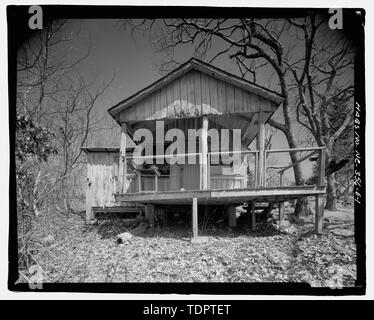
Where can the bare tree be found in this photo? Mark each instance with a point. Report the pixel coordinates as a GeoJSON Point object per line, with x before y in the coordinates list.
{"type": "Point", "coordinates": [53, 92]}
{"type": "Point", "coordinates": [324, 101]}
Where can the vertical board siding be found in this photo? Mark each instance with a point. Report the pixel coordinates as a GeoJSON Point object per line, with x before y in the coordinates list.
{"type": "Point", "coordinates": [169, 98]}
{"type": "Point", "coordinates": [230, 98]}
{"type": "Point", "coordinates": [192, 110]}
{"type": "Point", "coordinates": [184, 97]}
{"type": "Point", "coordinates": [213, 92]}
{"type": "Point", "coordinates": [177, 96]}
{"type": "Point", "coordinates": [102, 176]}
{"type": "Point", "coordinates": [205, 109]}
{"type": "Point", "coordinates": [195, 94]}
{"type": "Point", "coordinates": [191, 176]}
{"type": "Point", "coordinates": [198, 93]}
{"type": "Point", "coordinates": [221, 96]}
{"type": "Point", "coordinates": [158, 101]}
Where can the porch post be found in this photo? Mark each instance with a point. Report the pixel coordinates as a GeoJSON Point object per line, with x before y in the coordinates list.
{"type": "Point", "coordinates": [281, 211]}
{"type": "Point", "coordinates": [122, 166]}
{"type": "Point", "coordinates": [231, 211]}
{"type": "Point", "coordinates": [204, 154]}
{"type": "Point", "coordinates": [194, 219]}
{"type": "Point", "coordinates": [261, 147]}
{"type": "Point", "coordinates": [322, 165]}
{"type": "Point", "coordinates": [319, 210]}
{"type": "Point", "coordinates": [253, 215]}
{"type": "Point", "coordinates": [150, 214]}
{"type": "Point", "coordinates": [319, 214]}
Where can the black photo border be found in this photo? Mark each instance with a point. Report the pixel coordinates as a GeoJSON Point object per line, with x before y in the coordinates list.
{"type": "Point", "coordinates": [18, 31]}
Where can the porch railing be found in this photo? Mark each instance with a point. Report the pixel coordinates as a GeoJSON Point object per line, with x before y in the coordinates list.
{"type": "Point", "coordinates": [318, 178]}
{"type": "Point", "coordinates": [255, 177]}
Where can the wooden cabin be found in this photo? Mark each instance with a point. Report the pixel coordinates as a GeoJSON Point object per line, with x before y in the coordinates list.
{"type": "Point", "coordinates": [202, 97]}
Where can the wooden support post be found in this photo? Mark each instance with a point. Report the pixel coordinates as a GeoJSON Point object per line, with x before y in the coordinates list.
{"type": "Point", "coordinates": [206, 212]}
{"type": "Point", "coordinates": [253, 215]}
{"type": "Point", "coordinates": [322, 160]}
{"type": "Point", "coordinates": [204, 154]}
{"type": "Point", "coordinates": [194, 219]}
{"type": "Point", "coordinates": [264, 171]}
{"type": "Point", "coordinates": [261, 148]}
{"type": "Point", "coordinates": [281, 204]}
{"type": "Point", "coordinates": [150, 214]}
{"type": "Point", "coordinates": [281, 180]}
{"type": "Point", "coordinates": [281, 211]}
{"type": "Point", "coordinates": [319, 214]}
{"type": "Point", "coordinates": [122, 166]}
{"type": "Point", "coordinates": [156, 182]}
{"type": "Point", "coordinates": [208, 170]}
{"type": "Point", "coordinates": [139, 182]}
{"type": "Point", "coordinates": [256, 171]}
{"type": "Point", "coordinates": [231, 212]}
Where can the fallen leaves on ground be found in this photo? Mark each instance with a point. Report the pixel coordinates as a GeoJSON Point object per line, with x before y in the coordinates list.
{"type": "Point", "coordinates": [81, 254]}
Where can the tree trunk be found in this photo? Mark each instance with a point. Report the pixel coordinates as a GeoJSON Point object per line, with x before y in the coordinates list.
{"type": "Point", "coordinates": [301, 207]}
{"type": "Point", "coordinates": [331, 193]}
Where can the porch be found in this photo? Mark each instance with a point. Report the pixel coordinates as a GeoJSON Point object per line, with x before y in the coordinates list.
{"type": "Point", "coordinates": [231, 190]}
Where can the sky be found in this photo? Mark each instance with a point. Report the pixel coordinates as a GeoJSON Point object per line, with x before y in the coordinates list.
{"type": "Point", "coordinates": [132, 62]}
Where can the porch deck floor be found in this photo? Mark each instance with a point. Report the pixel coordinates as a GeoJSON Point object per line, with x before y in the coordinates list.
{"type": "Point", "coordinates": [221, 196]}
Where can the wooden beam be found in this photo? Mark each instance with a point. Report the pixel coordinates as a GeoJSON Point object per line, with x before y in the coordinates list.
{"type": "Point", "coordinates": [319, 214]}
{"type": "Point", "coordinates": [293, 149]}
{"type": "Point", "coordinates": [281, 204]}
{"type": "Point", "coordinates": [204, 154]}
{"type": "Point", "coordinates": [130, 130]}
{"type": "Point", "coordinates": [233, 195]}
{"type": "Point", "coordinates": [194, 219]}
{"type": "Point", "coordinates": [250, 126]}
{"type": "Point", "coordinates": [261, 148]}
{"type": "Point", "coordinates": [231, 212]}
{"type": "Point", "coordinates": [116, 209]}
{"type": "Point", "coordinates": [122, 166]}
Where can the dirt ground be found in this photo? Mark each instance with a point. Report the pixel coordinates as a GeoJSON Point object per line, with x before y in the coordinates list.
{"type": "Point", "coordinates": [68, 251]}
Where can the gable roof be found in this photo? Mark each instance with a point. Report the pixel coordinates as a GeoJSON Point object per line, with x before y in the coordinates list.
{"type": "Point", "coordinates": [204, 68]}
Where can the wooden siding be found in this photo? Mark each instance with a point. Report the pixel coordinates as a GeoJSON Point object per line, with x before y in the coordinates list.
{"type": "Point", "coordinates": [195, 94]}
{"type": "Point", "coordinates": [102, 179]}
{"type": "Point", "coordinates": [187, 177]}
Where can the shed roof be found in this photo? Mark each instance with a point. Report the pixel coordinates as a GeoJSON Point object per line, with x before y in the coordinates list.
{"type": "Point", "coordinates": [204, 68]}
{"type": "Point", "coordinates": [99, 149]}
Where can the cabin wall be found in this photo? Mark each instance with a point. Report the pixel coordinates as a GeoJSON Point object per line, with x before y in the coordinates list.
{"type": "Point", "coordinates": [195, 94]}
{"type": "Point", "coordinates": [187, 176]}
